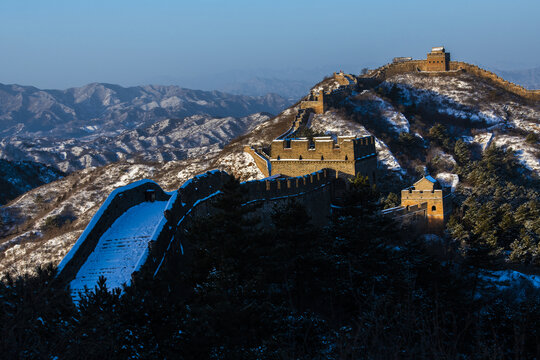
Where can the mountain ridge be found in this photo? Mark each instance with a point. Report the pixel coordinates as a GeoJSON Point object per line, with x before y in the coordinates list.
{"type": "Point", "coordinates": [400, 112]}
{"type": "Point", "coordinates": [107, 109]}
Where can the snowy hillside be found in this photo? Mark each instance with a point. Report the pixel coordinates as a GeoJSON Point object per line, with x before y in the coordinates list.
{"type": "Point", "coordinates": [166, 140]}
{"type": "Point", "coordinates": [106, 109]}
{"type": "Point", "coordinates": [18, 177]}
{"type": "Point", "coordinates": [401, 113]}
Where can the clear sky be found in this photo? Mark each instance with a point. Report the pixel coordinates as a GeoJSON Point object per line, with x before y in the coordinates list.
{"type": "Point", "coordinates": [64, 43]}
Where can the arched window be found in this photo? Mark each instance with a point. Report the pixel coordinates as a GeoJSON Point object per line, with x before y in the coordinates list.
{"type": "Point", "coordinates": [322, 157]}
{"type": "Point", "coordinates": [300, 158]}
{"type": "Point", "coordinates": [279, 157]}
{"type": "Point", "coordinates": [346, 157]}
{"type": "Point", "coordinates": [433, 208]}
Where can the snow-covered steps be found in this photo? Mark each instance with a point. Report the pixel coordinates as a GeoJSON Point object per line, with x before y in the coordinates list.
{"type": "Point", "coordinates": [119, 249]}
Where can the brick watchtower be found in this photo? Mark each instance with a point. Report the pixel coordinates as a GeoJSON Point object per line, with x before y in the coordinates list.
{"type": "Point", "coordinates": [438, 59]}
{"type": "Point", "coordinates": [428, 190]}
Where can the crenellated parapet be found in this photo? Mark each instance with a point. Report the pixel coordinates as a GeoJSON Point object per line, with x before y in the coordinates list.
{"type": "Point", "coordinates": [315, 101]}
{"type": "Point", "coordinates": [347, 154]}
{"type": "Point", "coordinates": [192, 200]}
{"type": "Point", "coordinates": [438, 63]}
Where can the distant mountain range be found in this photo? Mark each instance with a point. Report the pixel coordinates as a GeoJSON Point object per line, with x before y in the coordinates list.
{"type": "Point", "coordinates": [107, 109]}
{"type": "Point", "coordinates": [162, 141]}
{"type": "Point", "coordinates": [529, 78]}
{"type": "Point", "coordinates": [258, 86]}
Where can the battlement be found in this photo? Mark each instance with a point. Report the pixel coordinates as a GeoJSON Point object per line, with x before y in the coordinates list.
{"type": "Point", "coordinates": [438, 59]}
{"type": "Point", "coordinates": [346, 148]}
{"type": "Point", "coordinates": [438, 63]}
{"type": "Point", "coordinates": [315, 101]}
{"type": "Point", "coordinates": [428, 190]}
{"type": "Point", "coordinates": [344, 79]}
{"type": "Point", "coordinates": [290, 156]}
{"type": "Point", "coordinates": [169, 220]}
{"type": "Point", "coordinates": [347, 154]}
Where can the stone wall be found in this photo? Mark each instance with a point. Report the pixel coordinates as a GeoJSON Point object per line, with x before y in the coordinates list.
{"type": "Point", "coordinates": [454, 67]}
{"type": "Point", "coordinates": [301, 167]}
{"type": "Point", "coordinates": [437, 201]}
{"type": "Point", "coordinates": [118, 202]}
{"type": "Point", "coordinates": [437, 61]}
{"type": "Point", "coordinates": [507, 85]}
{"type": "Point", "coordinates": [314, 102]}
{"type": "Point", "coordinates": [413, 215]}
{"type": "Point", "coordinates": [295, 157]}
{"type": "Point", "coordinates": [322, 148]}
{"type": "Point", "coordinates": [194, 200]}
{"type": "Point", "coordinates": [261, 159]}
{"type": "Point", "coordinates": [344, 79]}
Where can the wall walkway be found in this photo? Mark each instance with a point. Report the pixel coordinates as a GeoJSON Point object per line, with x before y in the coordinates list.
{"type": "Point", "coordinates": [190, 201]}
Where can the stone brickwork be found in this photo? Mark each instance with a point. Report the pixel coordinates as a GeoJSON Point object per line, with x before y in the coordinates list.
{"type": "Point", "coordinates": [507, 85]}
{"type": "Point", "coordinates": [412, 215]}
{"type": "Point", "coordinates": [344, 79]}
{"type": "Point", "coordinates": [315, 102]}
{"type": "Point", "coordinates": [451, 68]}
{"type": "Point", "coordinates": [438, 60]}
{"type": "Point", "coordinates": [261, 159]}
{"type": "Point", "coordinates": [118, 202]}
{"type": "Point", "coordinates": [290, 156]}
{"type": "Point", "coordinates": [192, 200]}
{"type": "Point", "coordinates": [348, 155]}
{"type": "Point", "coordinates": [428, 190]}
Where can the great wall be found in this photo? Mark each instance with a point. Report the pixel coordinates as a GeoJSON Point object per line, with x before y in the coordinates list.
{"type": "Point", "coordinates": [157, 229]}
{"type": "Point", "coordinates": [140, 225]}
{"type": "Point", "coordinates": [451, 68]}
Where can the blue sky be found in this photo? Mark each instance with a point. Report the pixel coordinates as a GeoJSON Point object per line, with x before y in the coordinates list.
{"type": "Point", "coordinates": [60, 43]}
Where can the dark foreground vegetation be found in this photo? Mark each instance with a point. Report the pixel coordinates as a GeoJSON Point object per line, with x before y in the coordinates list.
{"type": "Point", "coordinates": [356, 289]}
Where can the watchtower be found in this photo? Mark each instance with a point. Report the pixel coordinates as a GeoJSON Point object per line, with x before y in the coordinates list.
{"type": "Point", "coordinates": [438, 59]}
{"type": "Point", "coordinates": [428, 190]}
{"type": "Point", "coordinates": [315, 101]}
{"type": "Point", "coordinates": [347, 155]}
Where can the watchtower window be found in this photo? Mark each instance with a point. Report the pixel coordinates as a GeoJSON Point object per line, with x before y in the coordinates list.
{"type": "Point", "coordinates": [322, 157]}
{"type": "Point", "coordinates": [433, 208]}
{"type": "Point", "coordinates": [287, 144]}
{"type": "Point", "coordinates": [300, 158]}
{"type": "Point", "coordinates": [279, 157]}
{"type": "Point", "coordinates": [346, 157]}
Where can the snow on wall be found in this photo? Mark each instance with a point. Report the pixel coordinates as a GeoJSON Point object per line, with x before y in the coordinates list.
{"type": "Point", "coordinates": [96, 217]}
{"type": "Point", "coordinates": [332, 124]}
{"type": "Point", "coordinates": [120, 249]}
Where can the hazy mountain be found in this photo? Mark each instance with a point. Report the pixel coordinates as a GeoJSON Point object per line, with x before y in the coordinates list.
{"type": "Point", "coordinates": [529, 78]}
{"type": "Point", "coordinates": [165, 140]}
{"type": "Point", "coordinates": [257, 86]}
{"type": "Point", "coordinates": [106, 109]}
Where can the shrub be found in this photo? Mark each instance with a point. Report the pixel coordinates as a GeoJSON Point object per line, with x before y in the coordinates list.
{"type": "Point", "coordinates": [532, 138]}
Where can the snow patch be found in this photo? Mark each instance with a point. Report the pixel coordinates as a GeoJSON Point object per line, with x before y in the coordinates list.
{"type": "Point", "coordinates": [120, 248]}
{"type": "Point", "coordinates": [448, 180]}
